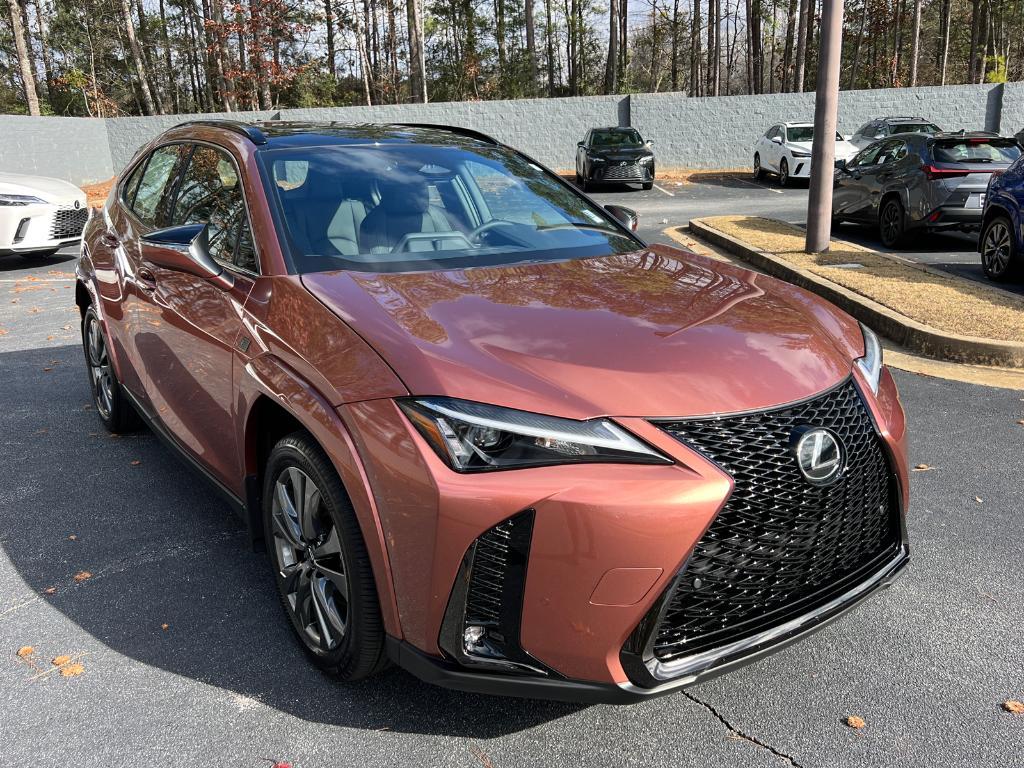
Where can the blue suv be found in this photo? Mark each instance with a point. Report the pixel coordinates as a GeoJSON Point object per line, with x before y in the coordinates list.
{"type": "Point", "coordinates": [1001, 245]}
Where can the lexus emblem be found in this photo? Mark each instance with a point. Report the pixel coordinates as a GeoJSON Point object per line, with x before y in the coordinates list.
{"type": "Point", "coordinates": [820, 454]}
{"type": "Point", "coordinates": [77, 205]}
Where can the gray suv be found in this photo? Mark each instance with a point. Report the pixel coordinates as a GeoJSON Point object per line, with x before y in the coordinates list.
{"type": "Point", "coordinates": [884, 127]}
{"type": "Point", "coordinates": [920, 182]}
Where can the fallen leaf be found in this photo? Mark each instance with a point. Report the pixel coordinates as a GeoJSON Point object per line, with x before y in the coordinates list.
{"type": "Point", "coordinates": [50, 338]}
{"type": "Point", "coordinates": [1020, 421]}
{"type": "Point", "coordinates": [72, 670]}
{"type": "Point", "coordinates": [979, 499]}
{"type": "Point", "coordinates": [47, 370]}
{"type": "Point", "coordinates": [82, 576]}
{"type": "Point", "coordinates": [25, 650]}
{"type": "Point", "coordinates": [1010, 705]}
{"type": "Point", "coordinates": [922, 468]}
{"type": "Point", "coordinates": [60, 661]}
{"type": "Point", "coordinates": [855, 722]}
{"type": "Point", "coordinates": [72, 537]}
{"type": "Point", "coordinates": [165, 627]}
{"type": "Point", "coordinates": [136, 462]}
{"type": "Point", "coordinates": [50, 591]}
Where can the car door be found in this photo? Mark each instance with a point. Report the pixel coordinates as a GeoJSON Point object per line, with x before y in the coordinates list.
{"type": "Point", "coordinates": [141, 203]}
{"type": "Point", "coordinates": [879, 177]}
{"type": "Point", "coordinates": [187, 352]}
{"type": "Point", "coordinates": [773, 148]}
{"type": "Point", "coordinates": [851, 198]}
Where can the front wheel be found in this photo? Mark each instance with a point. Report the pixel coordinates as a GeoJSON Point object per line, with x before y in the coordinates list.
{"type": "Point", "coordinates": [1000, 258]}
{"type": "Point", "coordinates": [891, 223]}
{"type": "Point", "coordinates": [758, 172]}
{"type": "Point", "coordinates": [110, 401]}
{"type": "Point", "coordinates": [321, 565]}
{"type": "Point", "coordinates": [648, 185]}
{"type": "Point", "coordinates": [784, 173]}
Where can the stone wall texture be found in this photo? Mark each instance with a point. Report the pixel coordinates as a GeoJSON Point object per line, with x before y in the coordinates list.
{"type": "Point", "coordinates": [687, 132]}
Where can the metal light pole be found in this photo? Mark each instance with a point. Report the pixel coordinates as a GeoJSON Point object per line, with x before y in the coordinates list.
{"type": "Point", "coordinates": [823, 151]}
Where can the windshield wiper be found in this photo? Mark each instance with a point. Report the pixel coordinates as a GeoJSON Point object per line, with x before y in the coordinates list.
{"type": "Point", "coordinates": [579, 225]}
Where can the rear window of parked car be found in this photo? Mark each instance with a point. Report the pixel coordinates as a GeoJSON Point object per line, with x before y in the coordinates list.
{"type": "Point", "coordinates": [968, 150]}
{"type": "Point", "coordinates": [928, 128]}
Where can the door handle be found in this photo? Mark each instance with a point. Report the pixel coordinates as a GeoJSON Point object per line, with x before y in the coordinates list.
{"type": "Point", "coordinates": [110, 240]}
{"type": "Point", "coordinates": [146, 278]}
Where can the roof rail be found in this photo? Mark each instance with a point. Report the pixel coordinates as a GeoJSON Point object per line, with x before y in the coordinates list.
{"type": "Point", "coordinates": [905, 117]}
{"type": "Point", "coordinates": [467, 132]}
{"type": "Point", "coordinates": [250, 131]}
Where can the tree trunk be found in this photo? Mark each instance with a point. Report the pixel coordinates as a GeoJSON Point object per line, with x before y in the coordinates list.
{"type": "Point", "coordinates": [787, 51]}
{"type": "Point", "coordinates": [972, 64]}
{"type": "Point", "coordinates": [696, 54]}
{"type": "Point", "coordinates": [172, 80]}
{"type": "Point", "coordinates": [332, 61]}
{"type": "Point", "coordinates": [675, 44]}
{"type": "Point", "coordinates": [855, 67]}
{"type": "Point", "coordinates": [43, 29]}
{"type": "Point", "coordinates": [147, 48]}
{"type": "Point", "coordinates": [28, 80]}
{"type": "Point", "coordinates": [225, 83]}
{"type": "Point", "coordinates": [136, 51]}
{"type": "Point", "coordinates": [549, 32]}
{"type": "Point", "coordinates": [499, 39]}
{"type": "Point", "coordinates": [417, 62]}
{"type": "Point", "coordinates": [612, 67]}
{"type": "Point", "coordinates": [364, 63]}
{"type": "Point", "coordinates": [531, 49]}
{"type": "Point", "coordinates": [983, 40]}
{"type": "Point", "coordinates": [801, 46]}
{"type": "Point", "coordinates": [915, 43]}
{"type": "Point", "coordinates": [946, 13]}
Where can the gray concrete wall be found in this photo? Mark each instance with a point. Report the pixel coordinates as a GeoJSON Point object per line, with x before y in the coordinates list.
{"type": "Point", "coordinates": [71, 148]}
{"type": "Point", "coordinates": [687, 133]}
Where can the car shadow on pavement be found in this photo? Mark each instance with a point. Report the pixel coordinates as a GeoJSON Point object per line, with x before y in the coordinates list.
{"type": "Point", "coordinates": [13, 263]}
{"type": "Point", "coordinates": [173, 582]}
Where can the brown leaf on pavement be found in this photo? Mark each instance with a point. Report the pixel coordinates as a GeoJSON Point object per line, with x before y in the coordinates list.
{"type": "Point", "coordinates": [979, 499]}
{"type": "Point", "coordinates": [25, 650]}
{"type": "Point", "coordinates": [60, 661]}
{"type": "Point", "coordinates": [72, 670]}
{"type": "Point", "coordinates": [50, 591]}
{"type": "Point", "coordinates": [922, 468]}
{"type": "Point", "coordinates": [82, 576]}
{"type": "Point", "coordinates": [165, 627]}
{"type": "Point", "coordinates": [855, 722]}
{"type": "Point", "coordinates": [1014, 706]}
{"type": "Point", "coordinates": [136, 462]}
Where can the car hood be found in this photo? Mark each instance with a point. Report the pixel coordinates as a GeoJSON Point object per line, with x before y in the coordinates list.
{"type": "Point", "coordinates": [50, 190]}
{"type": "Point", "coordinates": [655, 333]}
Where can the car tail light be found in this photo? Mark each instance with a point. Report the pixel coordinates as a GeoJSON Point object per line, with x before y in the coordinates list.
{"type": "Point", "coordinates": [934, 173]}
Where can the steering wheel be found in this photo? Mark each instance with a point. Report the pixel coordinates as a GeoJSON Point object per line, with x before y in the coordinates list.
{"type": "Point", "coordinates": [487, 226]}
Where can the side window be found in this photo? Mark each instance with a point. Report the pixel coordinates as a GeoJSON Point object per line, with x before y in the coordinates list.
{"type": "Point", "coordinates": [866, 157]}
{"type": "Point", "coordinates": [891, 151]}
{"type": "Point", "coordinates": [154, 183]}
{"type": "Point", "coordinates": [211, 192]}
{"type": "Point", "coordinates": [131, 186]}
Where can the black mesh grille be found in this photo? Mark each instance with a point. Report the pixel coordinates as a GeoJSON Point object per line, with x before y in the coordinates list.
{"type": "Point", "coordinates": [629, 172]}
{"type": "Point", "coordinates": [780, 546]}
{"type": "Point", "coordinates": [487, 578]}
{"type": "Point", "coordinates": [68, 223]}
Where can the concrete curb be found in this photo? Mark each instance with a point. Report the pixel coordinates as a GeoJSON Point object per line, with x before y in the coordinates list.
{"type": "Point", "coordinates": [908, 333]}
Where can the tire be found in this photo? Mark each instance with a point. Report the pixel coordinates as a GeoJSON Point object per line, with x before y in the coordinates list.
{"type": "Point", "coordinates": [648, 185]}
{"type": "Point", "coordinates": [784, 173]}
{"type": "Point", "coordinates": [1000, 258]}
{"type": "Point", "coordinates": [758, 172]}
{"type": "Point", "coordinates": [108, 398]}
{"type": "Point", "coordinates": [892, 223]}
{"type": "Point", "coordinates": [320, 562]}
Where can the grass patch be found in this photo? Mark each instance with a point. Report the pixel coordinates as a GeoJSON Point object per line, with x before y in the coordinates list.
{"type": "Point", "coordinates": [947, 303]}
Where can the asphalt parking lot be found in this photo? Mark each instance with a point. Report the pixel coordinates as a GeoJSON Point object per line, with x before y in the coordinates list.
{"type": "Point", "coordinates": [715, 194]}
{"type": "Point", "coordinates": [187, 660]}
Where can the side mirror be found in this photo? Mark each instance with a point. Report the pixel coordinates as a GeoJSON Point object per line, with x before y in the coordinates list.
{"type": "Point", "coordinates": [627, 217]}
{"type": "Point", "coordinates": [776, 139]}
{"type": "Point", "coordinates": [648, 143]}
{"type": "Point", "coordinates": [185, 249]}
{"type": "Point", "coordinates": [840, 165]}
{"type": "Point", "coordinates": [579, 144]}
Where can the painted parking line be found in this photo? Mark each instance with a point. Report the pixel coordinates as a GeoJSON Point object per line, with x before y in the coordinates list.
{"type": "Point", "coordinates": [661, 189]}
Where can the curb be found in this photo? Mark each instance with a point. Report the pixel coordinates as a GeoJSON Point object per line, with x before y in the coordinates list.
{"type": "Point", "coordinates": [908, 333]}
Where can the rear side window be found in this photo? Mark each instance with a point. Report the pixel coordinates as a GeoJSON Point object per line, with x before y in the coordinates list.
{"type": "Point", "coordinates": [927, 128]}
{"type": "Point", "coordinates": [131, 186]}
{"type": "Point", "coordinates": [154, 183]}
{"type": "Point", "coordinates": [211, 193]}
{"type": "Point", "coordinates": [976, 150]}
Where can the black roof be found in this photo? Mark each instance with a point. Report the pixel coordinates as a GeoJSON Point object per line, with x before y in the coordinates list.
{"type": "Point", "coordinates": [285, 133]}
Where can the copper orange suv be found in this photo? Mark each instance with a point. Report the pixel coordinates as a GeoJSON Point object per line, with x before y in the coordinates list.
{"type": "Point", "coordinates": [483, 430]}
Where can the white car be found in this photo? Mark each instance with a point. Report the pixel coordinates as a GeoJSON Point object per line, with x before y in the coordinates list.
{"type": "Point", "coordinates": [785, 150]}
{"type": "Point", "coordinates": [39, 215]}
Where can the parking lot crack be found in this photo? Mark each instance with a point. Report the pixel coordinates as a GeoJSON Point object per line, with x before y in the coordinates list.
{"type": "Point", "coordinates": [734, 731]}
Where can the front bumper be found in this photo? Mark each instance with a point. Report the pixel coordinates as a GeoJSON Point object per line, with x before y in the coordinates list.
{"type": "Point", "coordinates": [634, 524]}
{"type": "Point", "coordinates": [625, 173]}
{"type": "Point", "coordinates": [41, 227]}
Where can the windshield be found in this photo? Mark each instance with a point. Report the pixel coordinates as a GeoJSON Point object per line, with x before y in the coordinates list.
{"type": "Point", "coordinates": [627, 138]}
{"type": "Point", "coordinates": [417, 207]}
{"type": "Point", "coordinates": [927, 128]}
{"type": "Point", "coordinates": [804, 133]}
{"type": "Point", "coordinates": [968, 150]}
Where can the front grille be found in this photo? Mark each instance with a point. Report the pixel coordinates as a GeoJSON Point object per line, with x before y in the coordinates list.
{"type": "Point", "coordinates": [68, 223]}
{"type": "Point", "coordinates": [780, 546]}
{"type": "Point", "coordinates": [629, 172]}
{"type": "Point", "coordinates": [491, 563]}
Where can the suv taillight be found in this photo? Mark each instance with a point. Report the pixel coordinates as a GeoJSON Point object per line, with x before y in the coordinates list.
{"type": "Point", "coordinates": [934, 173]}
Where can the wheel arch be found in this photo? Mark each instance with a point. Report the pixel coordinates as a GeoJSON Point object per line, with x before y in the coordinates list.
{"type": "Point", "coordinates": [280, 402]}
{"type": "Point", "coordinates": [993, 209]}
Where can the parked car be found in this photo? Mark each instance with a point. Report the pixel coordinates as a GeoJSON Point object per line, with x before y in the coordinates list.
{"type": "Point", "coordinates": [785, 150]}
{"type": "Point", "coordinates": [39, 215]}
{"type": "Point", "coordinates": [614, 155]}
{"type": "Point", "coordinates": [919, 182]}
{"type": "Point", "coordinates": [1000, 245]}
{"type": "Point", "coordinates": [884, 127]}
{"type": "Point", "coordinates": [482, 429]}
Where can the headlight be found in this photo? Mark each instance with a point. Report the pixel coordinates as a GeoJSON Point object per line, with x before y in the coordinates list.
{"type": "Point", "coordinates": [473, 437]}
{"type": "Point", "coordinates": [595, 159]}
{"type": "Point", "coordinates": [6, 199]}
{"type": "Point", "coordinates": [799, 153]}
{"type": "Point", "coordinates": [871, 364]}
{"type": "Point", "coordinates": [647, 159]}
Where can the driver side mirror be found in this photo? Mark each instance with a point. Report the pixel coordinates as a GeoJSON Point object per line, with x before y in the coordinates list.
{"type": "Point", "coordinates": [841, 165]}
{"type": "Point", "coordinates": [648, 143]}
{"type": "Point", "coordinates": [776, 139]}
{"type": "Point", "coordinates": [186, 249]}
{"type": "Point", "coordinates": [579, 144]}
{"type": "Point", "coordinates": [627, 217]}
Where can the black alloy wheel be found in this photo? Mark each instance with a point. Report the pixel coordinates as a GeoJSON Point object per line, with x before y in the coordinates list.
{"type": "Point", "coordinates": [110, 401]}
{"type": "Point", "coordinates": [758, 173]}
{"type": "Point", "coordinates": [999, 257]}
{"type": "Point", "coordinates": [784, 173]}
{"type": "Point", "coordinates": [322, 568]}
{"type": "Point", "coordinates": [891, 223]}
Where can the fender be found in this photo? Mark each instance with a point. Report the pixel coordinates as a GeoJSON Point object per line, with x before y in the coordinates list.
{"type": "Point", "coordinates": [85, 276]}
{"type": "Point", "coordinates": [270, 376]}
